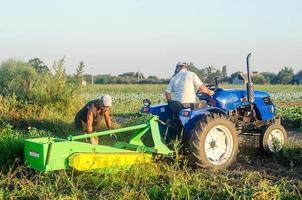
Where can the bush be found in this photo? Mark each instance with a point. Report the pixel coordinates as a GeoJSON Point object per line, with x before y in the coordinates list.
{"type": "Point", "coordinates": [17, 78]}
{"type": "Point", "coordinates": [291, 117]}
{"type": "Point", "coordinates": [11, 146]}
{"type": "Point", "coordinates": [20, 79]}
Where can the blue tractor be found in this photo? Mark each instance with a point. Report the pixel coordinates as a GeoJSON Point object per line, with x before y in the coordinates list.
{"type": "Point", "coordinates": [209, 129]}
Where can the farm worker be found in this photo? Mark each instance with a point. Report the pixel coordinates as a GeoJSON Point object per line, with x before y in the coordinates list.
{"type": "Point", "coordinates": [182, 87]}
{"type": "Point", "coordinates": [90, 116]}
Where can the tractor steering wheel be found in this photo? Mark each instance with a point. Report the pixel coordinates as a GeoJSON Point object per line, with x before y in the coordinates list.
{"type": "Point", "coordinates": [212, 87]}
{"type": "Point", "coordinates": [204, 96]}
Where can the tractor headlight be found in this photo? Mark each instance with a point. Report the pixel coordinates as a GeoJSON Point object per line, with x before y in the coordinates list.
{"type": "Point", "coordinates": [147, 102]}
{"type": "Point", "coordinates": [273, 109]}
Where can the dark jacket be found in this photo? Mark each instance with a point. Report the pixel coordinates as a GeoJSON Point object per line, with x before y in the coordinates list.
{"type": "Point", "coordinates": [91, 106]}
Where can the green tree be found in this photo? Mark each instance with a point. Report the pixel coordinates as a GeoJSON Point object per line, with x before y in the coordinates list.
{"type": "Point", "coordinates": [60, 76]}
{"type": "Point", "coordinates": [224, 72]}
{"type": "Point", "coordinates": [80, 73]}
{"type": "Point", "coordinates": [39, 65]}
{"type": "Point", "coordinates": [211, 74]}
{"type": "Point", "coordinates": [128, 74]}
{"type": "Point", "coordinates": [258, 79]}
{"type": "Point", "coordinates": [151, 79]}
{"type": "Point", "coordinates": [63, 94]}
{"type": "Point", "coordinates": [127, 78]}
{"type": "Point", "coordinates": [139, 76]}
{"type": "Point", "coordinates": [17, 78]}
{"type": "Point", "coordinates": [104, 79]}
{"type": "Point", "coordinates": [224, 75]}
{"type": "Point", "coordinates": [200, 73]}
{"type": "Point", "coordinates": [286, 75]}
{"type": "Point", "coordinates": [298, 76]}
{"type": "Point", "coordinates": [269, 77]}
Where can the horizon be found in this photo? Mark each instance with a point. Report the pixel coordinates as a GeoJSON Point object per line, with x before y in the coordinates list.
{"type": "Point", "coordinates": [117, 37]}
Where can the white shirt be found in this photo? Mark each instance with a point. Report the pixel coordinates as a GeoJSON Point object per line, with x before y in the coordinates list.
{"type": "Point", "coordinates": [182, 86]}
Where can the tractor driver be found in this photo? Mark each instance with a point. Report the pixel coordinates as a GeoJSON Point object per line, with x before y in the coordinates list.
{"type": "Point", "coordinates": [89, 117]}
{"type": "Point", "coordinates": [182, 86]}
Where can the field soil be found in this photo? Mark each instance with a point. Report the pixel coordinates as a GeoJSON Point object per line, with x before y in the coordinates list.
{"type": "Point", "coordinates": [276, 167]}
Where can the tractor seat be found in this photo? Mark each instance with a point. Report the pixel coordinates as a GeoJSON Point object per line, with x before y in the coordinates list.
{"type": "Point", "coordinates": [195, 106]}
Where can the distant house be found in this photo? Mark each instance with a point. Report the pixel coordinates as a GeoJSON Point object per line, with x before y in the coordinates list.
{"type": "Point", "coordinates": [237, 81]}
{"type": "Point", "coordinates": [242, 78]}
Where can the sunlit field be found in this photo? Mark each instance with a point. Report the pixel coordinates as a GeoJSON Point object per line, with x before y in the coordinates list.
{"type": "Point", "coordinates": [254, 176]}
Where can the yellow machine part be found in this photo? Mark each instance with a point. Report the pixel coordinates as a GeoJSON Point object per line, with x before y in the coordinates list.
{"type": "Point", "coordinates": [90, 161]}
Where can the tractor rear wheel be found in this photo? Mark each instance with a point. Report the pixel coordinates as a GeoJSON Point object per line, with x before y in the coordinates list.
{"type": "Point", "coordinates": [214, 142]}
{"type": "Point", "coordinates": [272, 138]}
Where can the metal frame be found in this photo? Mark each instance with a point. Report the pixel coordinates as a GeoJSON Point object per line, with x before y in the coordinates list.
{"type": "Point", "coordinates": [136, 139]}
{"type": "Point", "coordinates": [46, 154]}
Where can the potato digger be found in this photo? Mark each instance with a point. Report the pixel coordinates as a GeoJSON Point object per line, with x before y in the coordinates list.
{"type": "Point", "coordinates": [208, 131]}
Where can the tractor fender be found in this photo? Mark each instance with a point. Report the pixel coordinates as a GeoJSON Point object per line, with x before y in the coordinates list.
{"type": "Point", "coordinates": [197, 115]}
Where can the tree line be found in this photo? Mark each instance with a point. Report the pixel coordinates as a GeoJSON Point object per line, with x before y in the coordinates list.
{"type": "Point", "coordinates": [285, 76]}
{"type": "Point", "coordinates": [208, 75]}
{"type": "Point", "coordinates": [27, 70]}
{"type": "Point", "coordinates": [125, 78]}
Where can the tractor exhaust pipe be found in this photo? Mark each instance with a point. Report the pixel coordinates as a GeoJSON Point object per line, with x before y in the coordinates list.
{"type": "Point", "coordinates": [249, 84]}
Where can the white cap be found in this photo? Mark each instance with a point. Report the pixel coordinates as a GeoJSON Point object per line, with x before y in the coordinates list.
{"type": "Point", "coordinates": [106, 99]}
{"type": "Point", "coordinates": [183, 63]}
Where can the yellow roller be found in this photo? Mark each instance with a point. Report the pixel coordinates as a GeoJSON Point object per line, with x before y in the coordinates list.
{"type": "Point", "coordinates": [90, 161]}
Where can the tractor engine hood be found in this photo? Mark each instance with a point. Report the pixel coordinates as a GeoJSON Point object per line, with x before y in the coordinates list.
{"type": "Point", "coordinates": [229, 99]}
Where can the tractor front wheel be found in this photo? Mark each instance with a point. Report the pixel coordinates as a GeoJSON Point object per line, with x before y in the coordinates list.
{"type": "Point", "coordinates": [214, 142]}
{"type": "Point", "coordinates": [272, 138]}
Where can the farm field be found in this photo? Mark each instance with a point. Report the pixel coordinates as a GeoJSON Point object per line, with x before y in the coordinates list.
{"type": "Point", "coordinates": [281, 94]}
{"type": "Point", "coordinates": [288, 98]}
{"type": "Point", "coordinates": [254, 176]}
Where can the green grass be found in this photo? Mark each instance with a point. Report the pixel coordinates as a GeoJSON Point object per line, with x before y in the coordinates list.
{"type": "Point", "coordinates": [254, 176]}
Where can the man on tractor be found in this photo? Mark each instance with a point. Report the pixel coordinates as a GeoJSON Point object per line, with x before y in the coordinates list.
{"type": "Point", "coordinates": [90, 116]}
{"type": "Point", "coordinates": [182, 87]}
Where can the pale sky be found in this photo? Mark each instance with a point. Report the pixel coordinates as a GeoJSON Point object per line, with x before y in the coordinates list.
{"type": "Point", "coordinates": [119, 36]}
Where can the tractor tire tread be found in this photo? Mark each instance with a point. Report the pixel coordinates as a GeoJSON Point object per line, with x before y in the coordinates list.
{"type": "Point", "coordinates": [198, 136]}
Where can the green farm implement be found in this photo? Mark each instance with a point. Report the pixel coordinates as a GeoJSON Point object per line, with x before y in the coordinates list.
{"type": "Point", "coordinates": [48, 153]}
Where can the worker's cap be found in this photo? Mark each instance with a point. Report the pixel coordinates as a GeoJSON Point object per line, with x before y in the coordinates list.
{"type": "Point", "coordinates": [106, 100]}
{"type": "Point", "coordinates": [179, 65]}
{"type": "Point", "coordinates": [182, 63]}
